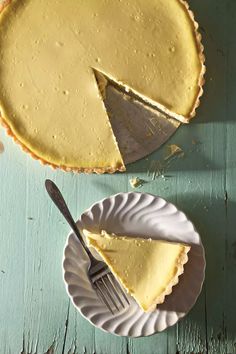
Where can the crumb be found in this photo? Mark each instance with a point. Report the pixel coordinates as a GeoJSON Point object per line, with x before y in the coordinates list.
{"type": "Point", "coordinates": [195, 142]}
{"type": "Point", "coordinates": [136, 182]}
{"type": "Point", "coordinates": [174, 150]}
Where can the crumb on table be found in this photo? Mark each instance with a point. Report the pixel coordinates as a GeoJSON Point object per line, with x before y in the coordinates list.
{"type": "Point", "coordinates": [136, 182]}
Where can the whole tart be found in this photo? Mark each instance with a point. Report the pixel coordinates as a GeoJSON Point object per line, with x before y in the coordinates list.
{"type": "Point", "coordinates": [148, 269]}
{"type": "Point", "coordinates": [54, 54]}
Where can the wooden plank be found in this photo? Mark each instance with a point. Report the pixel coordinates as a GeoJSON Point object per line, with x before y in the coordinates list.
{"type": "Point", "coordinates": [229, 331]}
{"type": "Point", "coordinates": [45, 296]}
{"type": "Point", "coordinates": [33, 298]}
{"type": "Point", "coordinates": [12, 250]}
{"type": "Point", "coordinates": [204, 198]}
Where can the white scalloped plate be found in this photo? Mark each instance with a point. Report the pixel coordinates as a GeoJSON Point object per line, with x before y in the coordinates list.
{"type": "Point", "coordinates": [136, 214]}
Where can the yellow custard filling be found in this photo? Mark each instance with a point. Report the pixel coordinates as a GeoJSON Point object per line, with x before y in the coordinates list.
{"type": "Point", "coordinates": [48, 92]}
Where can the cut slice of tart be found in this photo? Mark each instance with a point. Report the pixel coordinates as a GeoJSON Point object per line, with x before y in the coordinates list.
{"type": "Point", "coordinates": [147, 268]}
{"type": "Point", "coordinates": [49, 97]}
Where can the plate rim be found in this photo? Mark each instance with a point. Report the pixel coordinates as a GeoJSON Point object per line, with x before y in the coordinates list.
{"type": "Point", "coordinates": [71, 234]}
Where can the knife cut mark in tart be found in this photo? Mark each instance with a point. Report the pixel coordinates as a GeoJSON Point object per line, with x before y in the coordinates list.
{"type": "Point", "coordinates": [50, 100]}
{"type": "Point", "coordinates": [147, 269]}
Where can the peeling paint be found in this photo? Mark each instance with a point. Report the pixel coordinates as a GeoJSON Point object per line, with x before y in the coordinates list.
{"type": "Point", "coordinates": [66, 328]}
{"type": "Point", "coordinates": [73, 350]}
{"type": "Point", "coordinates": [23, 345]}
{"type": "Point", "coordinates": [50, 349]}
{"type": "Point", "coordinates": [226, 199]}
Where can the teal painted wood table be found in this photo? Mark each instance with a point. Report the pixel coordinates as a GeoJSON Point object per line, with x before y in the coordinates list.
{"type": "Point", "coordinates": [36, 315]}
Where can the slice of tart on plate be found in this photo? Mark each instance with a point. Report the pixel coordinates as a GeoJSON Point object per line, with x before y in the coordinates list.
{"type": "Point", "coordinates": [148, 269]}
{"type": "Point", "coordinates": [140, 215]}
{"type": "Point", "coordinates": [51, 55]}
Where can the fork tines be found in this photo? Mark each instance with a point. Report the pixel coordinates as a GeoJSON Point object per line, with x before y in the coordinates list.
{"type": "Point", "coordinates": [111, 293]}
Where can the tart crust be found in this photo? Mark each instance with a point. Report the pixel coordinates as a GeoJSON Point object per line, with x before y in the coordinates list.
{"type": "Point", "coordinates": [159, 107]}
{"type": "Point", "coordinates": [201, 80]}
{"type": "Point", "coordinates": [183, 259]}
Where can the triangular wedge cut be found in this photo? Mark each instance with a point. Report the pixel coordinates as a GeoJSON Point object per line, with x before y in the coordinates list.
{"type": "Point", "coordinates": [49, 98]}
{"type": "Point", "coordinates": [148, 269]}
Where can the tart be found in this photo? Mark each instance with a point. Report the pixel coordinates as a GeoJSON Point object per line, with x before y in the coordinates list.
{"type": "Point", "coordinates": [148, 269]}
{"type": "Point", "coordinates": [57, 57]}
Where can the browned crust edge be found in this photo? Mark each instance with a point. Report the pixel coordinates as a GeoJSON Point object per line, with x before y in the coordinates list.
{"type": "Point", "coordinates": [120, 168]}
{"type": "Point", "coordinates": [201, 80]}
{"type": "Point", "coordinates": [182, 260]}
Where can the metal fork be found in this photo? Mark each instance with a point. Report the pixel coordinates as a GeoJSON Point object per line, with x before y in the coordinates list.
{"type": "Point", "coordinates": [101, 278]}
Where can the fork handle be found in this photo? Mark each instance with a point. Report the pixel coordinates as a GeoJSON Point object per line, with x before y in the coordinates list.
{"type": "Point", "coordinates": [59, 201]}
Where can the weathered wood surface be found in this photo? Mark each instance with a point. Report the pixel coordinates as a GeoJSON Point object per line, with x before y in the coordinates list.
{"type": "Point", "coordinates": [35, 313]}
